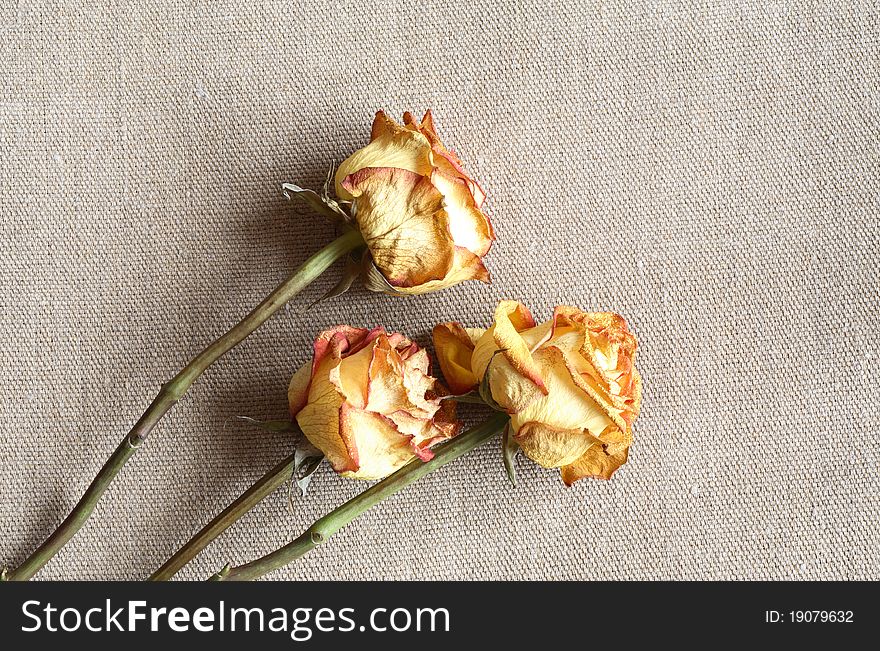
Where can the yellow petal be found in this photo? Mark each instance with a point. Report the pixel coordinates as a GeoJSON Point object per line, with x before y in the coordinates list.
{"type": "Point", "coordinates": [465, 266]}
{"type": "Point", "coordinates": [395, 386]}
{"type": "Point", "coordinates": [550, 447]}
{"type": "Point", "coordinates": [352, 376]}
{"type": "Point", "coordinates": [420, 386]}
{"type": "Point", "coordinates": [319, 419]}
{"type": "Point", "coordinates": [392, 146]}
{"type": "Point", "coordinates": [565, 406]}
{"type": "Point", "coordinates": [428, 121]}
{"type": "Point", "coordinates": [424, 431]}
{"type": "Point", "coordinates": [371, 404]}
{"type": "Point", "coordinates": [536, 337]}
{"type": "Point", "coordinates": [600, 354]}
{"type": "Point", "coordinates": [380, 448]}
{"type": "Point", "coordinates": [402, 219]}
{"type": "Point", "coordinates": [514, 376]}
{"type": "Point", "coordinates": [510, 389]}
{"type": "Point", "coordinates": [600, 461]}
{"type": "Point", "coordinates": [445, 160]}
{"type": "Point", "coordinates": [514, 318]}
{"type": "Point", "coordinates": [298, 391]}
{"type": "Point", "coordinates": [454, 346]}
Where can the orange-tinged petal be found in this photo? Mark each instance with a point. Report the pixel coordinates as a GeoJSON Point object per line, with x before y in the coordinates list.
{"type": "Point", "coordinates": [600, 461]}
{"type": "Point", "coordinates": [601, 360]}
{"type": "Point", "coordinates": [448, 163]}
{"type": "Point", "coordinates": [402, 219]}
{"type": "Point", "coordinates": [341, 340]}
{"type": "Point", "coordinates": [428, 121]}
{"type": "Point", "coordinates": [392, 146]}
{"type": "Point", "coordinates": [424, 431]}
{"type": "Point", "coordinates": [446, 423]}
{"type": "Point", "coordinates": [415, 358]}
{"type": "Point", "coordinates": [570, 385]}
{"type": "Point", "coordinates": [382, 126]}
{"type": "Point", "coordinates": [396, 386]}
{"type": "Point", "coordinates": [420, 386]}
{"type": "Point", "coordinates": [454, 346]}
{"type": "Point", "coordinates": [416, 248]}
{"type": "Point", "coordinates": [516, 313]}
{"type": "Point", "coordinates": [564, 406]}
{"type": "Point", "coordinates": [551, 447]}
{"type": "Point", "coordinates": [445, 160]}
{"type": "Point", "coordinates": [465, 266]}
{"type": "Point", "coordinates": [370, 402]}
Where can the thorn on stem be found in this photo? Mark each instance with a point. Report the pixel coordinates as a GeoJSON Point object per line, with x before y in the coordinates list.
{"type": "Point", "coordinates": [222, 574]}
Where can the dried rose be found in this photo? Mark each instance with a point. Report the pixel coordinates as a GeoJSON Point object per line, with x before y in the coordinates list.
{"type": "Point", "coordinates": [569, 384]}
{"type": "Point", "coordinates": [368, 401]}
{"type": "Point", "coordinates": [417, 209]}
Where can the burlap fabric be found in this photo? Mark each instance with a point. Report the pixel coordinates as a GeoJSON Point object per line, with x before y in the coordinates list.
{"type": "Point", "coordinates": [710, 171]}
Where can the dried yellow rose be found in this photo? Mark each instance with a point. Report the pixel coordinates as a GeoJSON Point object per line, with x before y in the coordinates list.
{"type": "Point", "coordinates": [419, 212]}
{"type": "Point", "coordinates": [367, 400]}
{"type": "Point", "coordinates": [569, 384]}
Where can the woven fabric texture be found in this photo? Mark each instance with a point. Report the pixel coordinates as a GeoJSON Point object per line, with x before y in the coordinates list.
{"type": "Point", "coordinates": [707, 170]}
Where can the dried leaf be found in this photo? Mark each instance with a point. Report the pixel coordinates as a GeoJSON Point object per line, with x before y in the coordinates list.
{"type": "Point", "coordinates": [329, 209]}
{"type": "Point", "coordinates": [352, 271]}
{"type": "Point", "coordinates": [510, 450]}
{"type": "Point", "coordinates": [338, 206]}
{"type": "Point", "coordinates": [334, 205]}
{"type": "Point", "coordinates": [306, 460]}
{"type": "Point", "coordinates": [325, 190]}
{"type": "Point", "coordinates": [274, 426]}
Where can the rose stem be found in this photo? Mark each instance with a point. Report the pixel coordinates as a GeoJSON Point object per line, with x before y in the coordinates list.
{"type": "Point", "coordinates": [328, 525]}
{"type": "Point", "coordinates": [266, 485]}
{"type": "Point", "coordinates": [248, 500]}
{"type": "Point", "coordinates": [173, 390]}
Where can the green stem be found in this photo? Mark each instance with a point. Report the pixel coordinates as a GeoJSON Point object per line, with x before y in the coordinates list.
{"type": "Point", "coordinates": [173, 390]}
{"type": "Point", "coordinates": [267, 484]}
{"type": "Point", "coordinates": [248, 500]}
{"type": "Point", "coordinates": [324, 528]}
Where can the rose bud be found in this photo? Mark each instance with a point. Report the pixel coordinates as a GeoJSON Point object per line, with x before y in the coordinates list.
{"type": "Point", "coordinates": [569, 384]}
{"type": "Point", "coordinates": [368, 402]}
{"type": "Point", "coordinates": [417, 209]}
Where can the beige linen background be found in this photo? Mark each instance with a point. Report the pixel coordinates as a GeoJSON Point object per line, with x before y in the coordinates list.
{"type": "Point", "coordinates": [708, 170]}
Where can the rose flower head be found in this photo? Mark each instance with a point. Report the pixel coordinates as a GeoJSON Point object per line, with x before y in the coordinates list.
{"type": "Point", "coordinates": [367, 400]}
{"type": "Point", "coordinates": [419, 212]}
{"type": "Point", "coordinates": [570, 384]}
